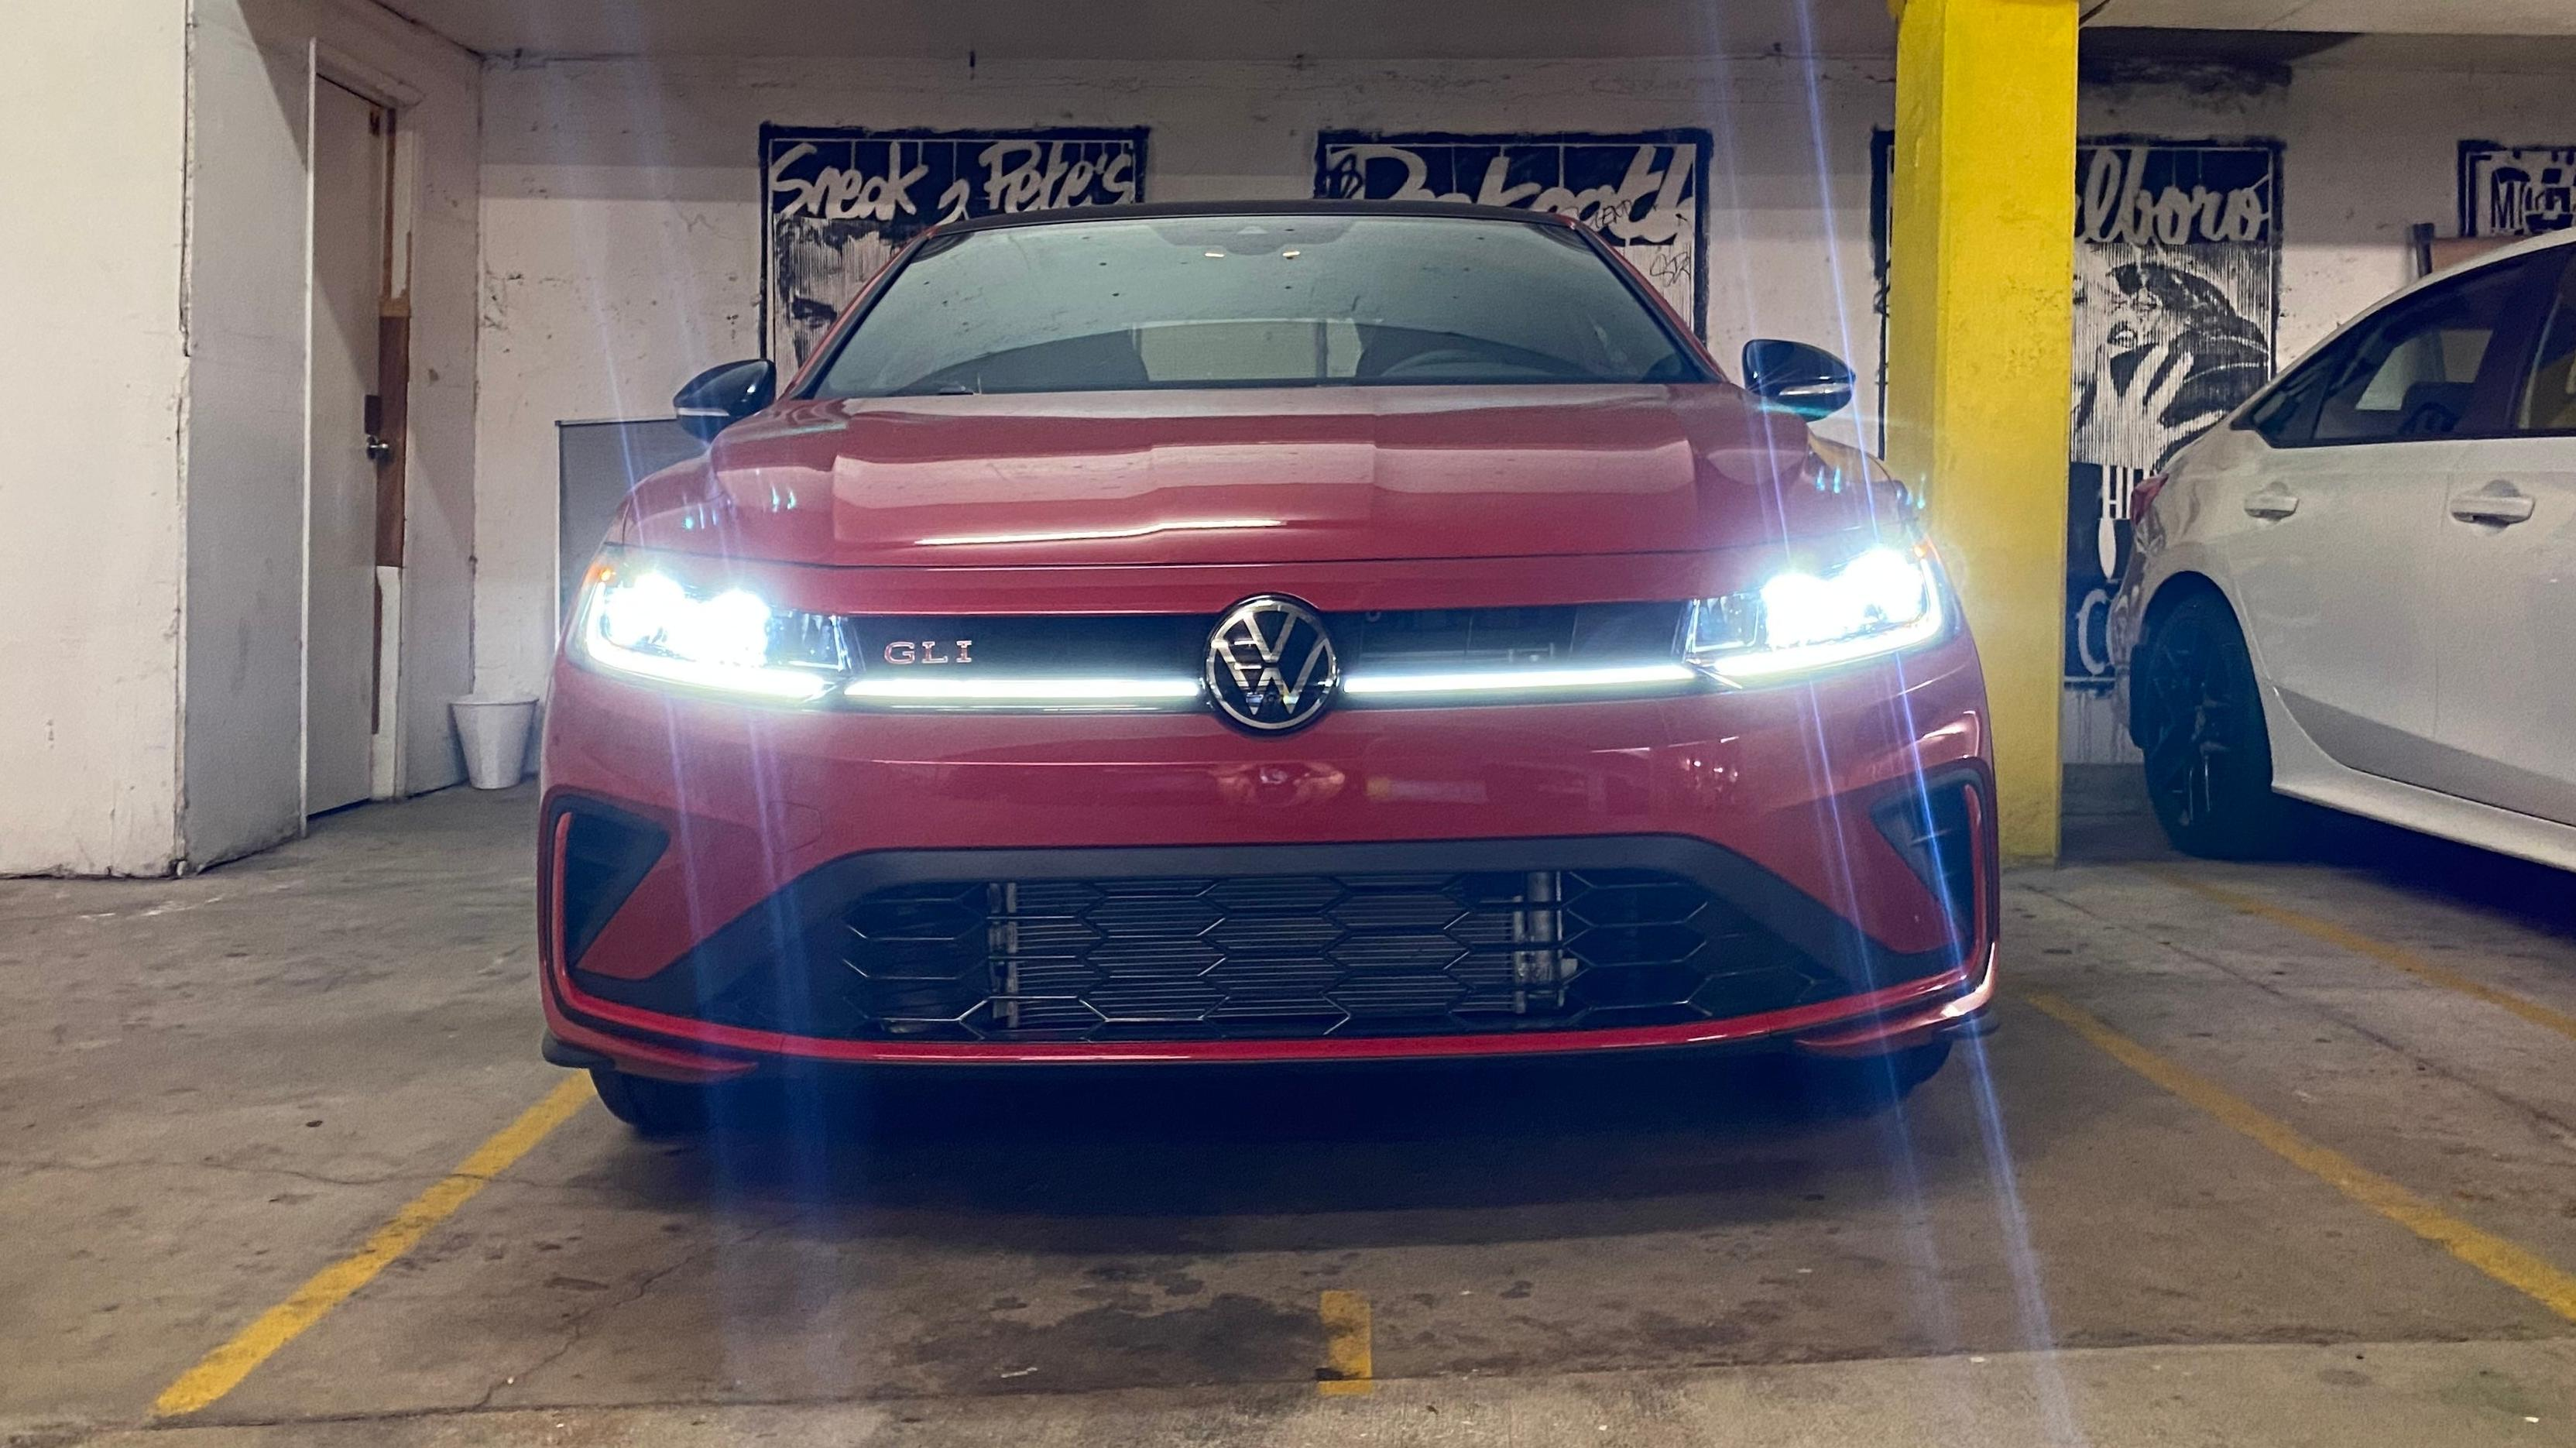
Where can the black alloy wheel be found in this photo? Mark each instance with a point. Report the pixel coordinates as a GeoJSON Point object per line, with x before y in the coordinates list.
{"type": "Point", "coordinates": [2200, 717]}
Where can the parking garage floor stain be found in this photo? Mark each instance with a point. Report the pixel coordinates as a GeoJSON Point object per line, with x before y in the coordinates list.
{"type": "Point", "coordinates": [212, 1088]}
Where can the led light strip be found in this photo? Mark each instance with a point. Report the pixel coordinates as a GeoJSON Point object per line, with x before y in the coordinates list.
{"type": "Point", "coordinates": [1515, 681]}
{"type": "Point", "coordinates": [1132, 693]}
{"type": "Point", "coordinates": [1024, 693]}
{"type": "Point", "coordinates": [756, 681]}
{"type": "Point", "coordinates": [1807, 658]}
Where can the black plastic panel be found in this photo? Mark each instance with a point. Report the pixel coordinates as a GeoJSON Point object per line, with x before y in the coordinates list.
{"type": "Point", "coordinates": [606, 854]}
{"type": "Point", "coordinates": [1271, 941]}
{"type": "Point", "coordinates": [1935, 831]}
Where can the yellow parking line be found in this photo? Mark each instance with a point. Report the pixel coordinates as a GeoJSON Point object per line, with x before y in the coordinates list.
{"type": "Point", "coordinates": [222, 1370]}
{"type": "Point", "coordinates": [2516, 1267]}
{"type": "Point", "coordinates": [1346, 1344]}
{"type": "Point", "coordinates": [2415, 965]}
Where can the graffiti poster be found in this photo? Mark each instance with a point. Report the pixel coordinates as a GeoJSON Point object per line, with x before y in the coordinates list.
{"type": "Point", "coordinates": [1644, 193]}
{"type": "Point", "coordinates": [842, 202]}
{"type": "Point", "coordinates": [2516, 190]}
{"type": "Point", "coordinates": [2177, 278]}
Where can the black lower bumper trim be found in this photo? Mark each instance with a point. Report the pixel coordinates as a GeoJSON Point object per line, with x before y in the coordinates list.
{"type": "Point", "coordinates": [842, 951]}
{"type": "Point", "coordinates": [559, 1052]}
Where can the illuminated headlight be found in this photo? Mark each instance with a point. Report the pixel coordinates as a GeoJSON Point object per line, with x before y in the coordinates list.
{"type": "Point", "coordinates": [1883, 601]}
{"type": "Point", "coordinates": [647, 625]}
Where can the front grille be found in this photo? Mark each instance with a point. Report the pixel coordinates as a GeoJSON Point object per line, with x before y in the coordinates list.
{"type": "Point", "coordinates": [1175, 645]}
{"type": "Point", "coordinates": [1244, 957]}
{"type": "Point", "coordinates": [1585, 633]}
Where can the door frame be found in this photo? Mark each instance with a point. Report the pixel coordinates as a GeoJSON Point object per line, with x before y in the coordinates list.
{"type": "Point", "coordinates": [387, 775]}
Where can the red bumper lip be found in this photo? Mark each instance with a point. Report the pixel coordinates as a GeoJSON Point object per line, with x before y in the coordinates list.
{"type": "Point", "coordinates": [1858, 1025]}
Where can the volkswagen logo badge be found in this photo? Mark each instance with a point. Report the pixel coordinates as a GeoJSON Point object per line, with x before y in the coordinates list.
{"type": "Point", "coordinates": [1271, 665]}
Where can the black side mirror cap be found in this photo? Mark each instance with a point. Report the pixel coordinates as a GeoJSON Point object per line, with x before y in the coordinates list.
{"type": "Point", "coordinates": [722, 396]}
{"type": "Point", "coordinates": [1795, 377]}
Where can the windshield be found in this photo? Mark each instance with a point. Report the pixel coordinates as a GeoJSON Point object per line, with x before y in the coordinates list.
{"type": "Point", "coordinates": [1253, 301]}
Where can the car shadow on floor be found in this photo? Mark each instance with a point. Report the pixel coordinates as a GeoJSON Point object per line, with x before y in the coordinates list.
{"type": "Point", "coordinates": [2535, 896]}
{"type": "Point", "coordinates": [2108, 821]}
{"type": "Point", "coordinates": [1304, 1158]}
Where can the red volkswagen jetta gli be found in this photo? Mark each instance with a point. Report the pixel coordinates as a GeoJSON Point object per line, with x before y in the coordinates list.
{"type": "Point", "coordinates": [1260, 634]}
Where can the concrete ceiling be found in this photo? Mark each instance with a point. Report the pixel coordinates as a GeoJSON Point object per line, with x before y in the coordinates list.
{"type": "Point", "coordinates": [2367, 17]}
{"type": "Point", "coordinates": [1169, 30]}
{"type": "Point", "coordinates": [1162, 30]}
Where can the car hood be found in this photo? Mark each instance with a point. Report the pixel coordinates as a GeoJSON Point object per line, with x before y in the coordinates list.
{"type": "Point", "coordinates": [1255, 476]}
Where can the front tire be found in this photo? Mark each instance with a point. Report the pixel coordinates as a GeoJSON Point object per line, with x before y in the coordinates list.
{"type": "Point", "coordinates": [2200, 717]}
{"type": "Point", "coordinates": [1864, 1086]}
{"type": "Point", "coordinates": [654, 1108]}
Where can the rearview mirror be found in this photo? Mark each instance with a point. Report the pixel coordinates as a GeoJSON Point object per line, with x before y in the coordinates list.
{"type": "Point", "coordinates": [722, 396]}
{"type": "Point", "coordinates": [1808, 381]}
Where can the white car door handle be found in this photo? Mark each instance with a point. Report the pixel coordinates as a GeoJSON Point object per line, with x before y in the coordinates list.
{"type": "Point", "coordinates": [2499, 502]}
{"type": "Point", "coordinates": [2271, 503]}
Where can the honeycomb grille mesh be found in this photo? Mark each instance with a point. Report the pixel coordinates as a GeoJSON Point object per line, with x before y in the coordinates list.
{"type": "Point", "coordinates": [1294, 955]}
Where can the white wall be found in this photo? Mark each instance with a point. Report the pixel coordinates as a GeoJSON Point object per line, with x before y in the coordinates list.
{"type": "Point", "coordinates": [2367, 154]}
{"type": "Point", "coordinates": [153, 165]}
{"type": "Point", "coordinates": [254, 63]}
{"type": "Point", "coordinates": [621, 215]}
{"type": "Point", "coordinates": [90, 404]}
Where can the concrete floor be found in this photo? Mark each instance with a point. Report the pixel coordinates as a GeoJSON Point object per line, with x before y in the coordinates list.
{"type": "Point", "coordinates": [211, 1089]}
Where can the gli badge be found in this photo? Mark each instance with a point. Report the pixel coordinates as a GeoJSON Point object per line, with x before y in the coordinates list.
{"type": "Point", "coordinates": [928, 651]}
{"type": "Point", "coordinates": [1271, 665]}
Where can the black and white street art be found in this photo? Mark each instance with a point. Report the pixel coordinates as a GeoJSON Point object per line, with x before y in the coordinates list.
{"type": "Point", "coordinates": [2516, 190]}
{"type": "Point", "coordinates": [2177, 280]}
{"type": "Point", "coordinates": [842, 202]}
{"type": "Point", "coordinates": [1645, 193]}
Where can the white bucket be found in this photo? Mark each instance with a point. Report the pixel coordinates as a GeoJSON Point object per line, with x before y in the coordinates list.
{"type": "Point", "coordinates": [494, 730]}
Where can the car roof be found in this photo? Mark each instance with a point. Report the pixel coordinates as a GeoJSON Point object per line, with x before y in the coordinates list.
{"type": "Point", "coordinates": [1194, 210]}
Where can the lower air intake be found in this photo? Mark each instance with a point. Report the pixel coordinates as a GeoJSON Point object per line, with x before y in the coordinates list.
{"type": "Point", "coordinates": [1273, 956]}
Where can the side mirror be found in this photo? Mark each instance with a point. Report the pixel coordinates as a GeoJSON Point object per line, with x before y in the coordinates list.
{"type": "Point", "coordinates": [1808, 381]}
{"type": "Point", "coordinates": [722, 396]}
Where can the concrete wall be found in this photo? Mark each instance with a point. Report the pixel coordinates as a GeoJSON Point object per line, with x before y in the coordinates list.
{"type": "Point", "coordinates": [90, 404]}
{"type": "Point", "coordinates": [254, 63]}
{"type": "Point", "coordinates": [153, 161]}
{"type": "Point", "coordinates": [251, 82]}
{"type": "Point", "coordinates": [2367, 154]}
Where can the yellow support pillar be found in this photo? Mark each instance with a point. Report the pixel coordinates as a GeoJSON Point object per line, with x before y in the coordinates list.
{"type": "Point", "coordinates": [1980, 331]}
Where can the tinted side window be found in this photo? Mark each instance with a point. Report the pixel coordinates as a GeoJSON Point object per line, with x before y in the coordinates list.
{"type": "Point", "coordinates": [2413, 372]}
{"type": "Point", "coordinates": [2546, 400]}
{"type": "Point", "coordinates": [2288, 416]}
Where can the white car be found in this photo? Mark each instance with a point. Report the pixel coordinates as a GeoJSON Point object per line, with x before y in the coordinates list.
{"type": "Point", "coordinates": [2360, 589]}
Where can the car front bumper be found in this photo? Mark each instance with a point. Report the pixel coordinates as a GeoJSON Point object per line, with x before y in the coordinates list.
{"type": "Point", "coordinates": [745, 839]}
